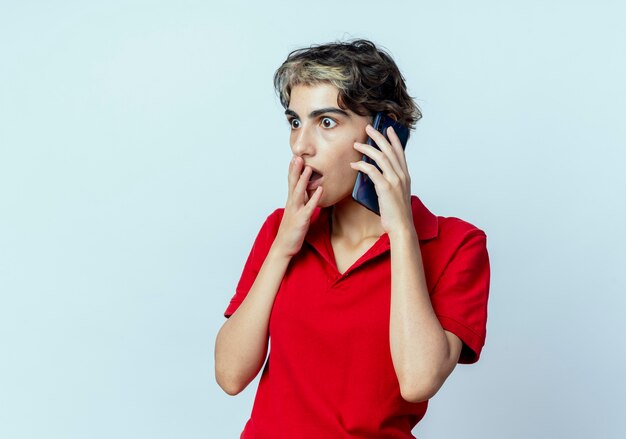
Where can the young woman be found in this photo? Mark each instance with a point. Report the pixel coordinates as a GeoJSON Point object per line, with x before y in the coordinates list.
{"type": "Point", "coordinates": [367, 315]}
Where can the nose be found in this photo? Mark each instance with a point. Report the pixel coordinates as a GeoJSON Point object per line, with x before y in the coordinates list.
{"type": "Point", "coordinates": [303, 141]}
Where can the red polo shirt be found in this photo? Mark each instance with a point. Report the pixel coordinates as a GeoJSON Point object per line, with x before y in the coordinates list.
{"type": "Point", "coordinates": [329, 372]}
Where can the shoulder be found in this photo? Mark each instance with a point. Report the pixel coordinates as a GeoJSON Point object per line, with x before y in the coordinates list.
{"type": "Point", "coordinates": [276, 215]}
{"type": "Point", "coordinates": [455, 234]}
{"type": "Point", "coordinates": [271, 223]}
{"type": "Point", "coordinates": [454, 228]}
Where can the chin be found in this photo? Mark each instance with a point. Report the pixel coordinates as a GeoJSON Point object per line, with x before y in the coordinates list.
{"type": "Point", "coordinates": [325, 201]}
{"type": "Point", "coordinates": [331, 199]}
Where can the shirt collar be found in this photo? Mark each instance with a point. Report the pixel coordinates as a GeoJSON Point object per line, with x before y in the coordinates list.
{"type": "Point", "coordinates": [426, 223]}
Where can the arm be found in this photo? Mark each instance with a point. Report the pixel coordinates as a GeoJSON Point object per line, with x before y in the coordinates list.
{"type": "Point", "coordinates": [242, 341]}
{"type": "Point", "coordinates": [423, 353]}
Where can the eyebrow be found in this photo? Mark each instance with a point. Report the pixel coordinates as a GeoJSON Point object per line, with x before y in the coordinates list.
{"type": "Point", "coordinates": [313, 114]}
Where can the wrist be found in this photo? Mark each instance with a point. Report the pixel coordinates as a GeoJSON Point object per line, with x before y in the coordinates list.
{"type": "Point", "coordinates": [278, 251]}
{"type": "Point", "coordinates": [403, 233]}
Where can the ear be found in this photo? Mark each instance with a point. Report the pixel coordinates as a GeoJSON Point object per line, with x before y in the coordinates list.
{"type": "Point", "coordinates": [393, 116]}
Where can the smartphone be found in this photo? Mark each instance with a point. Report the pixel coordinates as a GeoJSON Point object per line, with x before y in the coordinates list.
{"type": "Point", "coordinates": [364, 191]}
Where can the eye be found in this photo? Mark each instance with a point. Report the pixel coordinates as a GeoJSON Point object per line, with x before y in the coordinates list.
{"type": "Point", "coordinates": [291, 121]}
{"type": "Point", "coordinates": [328, 119]}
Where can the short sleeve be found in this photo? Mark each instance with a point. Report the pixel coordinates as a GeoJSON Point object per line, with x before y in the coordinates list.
{"type": "Point", "coordinates": [461, 294]}
{"type": "Point", "coordinates": [260, 248]}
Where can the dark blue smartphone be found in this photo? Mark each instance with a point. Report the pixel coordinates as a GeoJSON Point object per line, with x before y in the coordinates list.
{"type": "Point", "coordinates": [364, 191]}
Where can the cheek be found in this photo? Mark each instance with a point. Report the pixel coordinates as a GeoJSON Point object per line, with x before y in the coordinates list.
{"type": "Point", "coordinates": [354, 155]}
{"type": "Point", "coordinates": [348, 172]}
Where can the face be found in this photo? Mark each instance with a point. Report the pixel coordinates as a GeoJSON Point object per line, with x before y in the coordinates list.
{"type": "Point", "coordinates": [323, 135]}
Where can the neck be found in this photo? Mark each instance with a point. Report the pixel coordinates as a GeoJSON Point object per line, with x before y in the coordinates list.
{"type": "Point", "coordinates": [353, 222]}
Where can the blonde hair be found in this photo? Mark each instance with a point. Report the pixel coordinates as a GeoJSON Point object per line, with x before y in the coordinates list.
{"type": "Point", "coordinates": [367, 77]}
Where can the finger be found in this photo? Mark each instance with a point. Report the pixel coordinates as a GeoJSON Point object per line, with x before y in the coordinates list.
{"type": "Point", "coordinates": [383, 143]}
{"type": "Point", "coordinates": [400, 153]}
{"type": "Point", "coordinates": [314, 200]}
{"type": "Point", "coordinates": [379, 157]}
{"type": "Point", "coordinates": [294, 172]}
{"type": "Point", "coordinates": [371, 171]}
{"type": "Point", "coordinates": [300, 189]}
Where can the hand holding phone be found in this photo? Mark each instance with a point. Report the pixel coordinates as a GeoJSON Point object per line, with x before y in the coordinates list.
{"type": "Point", "coordinates": [364, 191]}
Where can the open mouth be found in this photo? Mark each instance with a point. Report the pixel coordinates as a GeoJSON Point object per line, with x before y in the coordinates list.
{"type": "Point", "coordinates": [315, 175]}
{"type": "Point", "coordinates": [314, 180]}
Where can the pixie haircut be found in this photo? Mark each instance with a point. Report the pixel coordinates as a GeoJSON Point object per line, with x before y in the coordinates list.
{"type": "Point", "coordinates": [367, 77]}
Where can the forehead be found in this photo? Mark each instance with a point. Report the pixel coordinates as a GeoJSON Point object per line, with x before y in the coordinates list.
{"type": "Point", "coordinates": [305, 97]}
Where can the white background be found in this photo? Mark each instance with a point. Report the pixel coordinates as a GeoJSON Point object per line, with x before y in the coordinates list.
{"type": "Point", "coordinates": [142, 146]}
